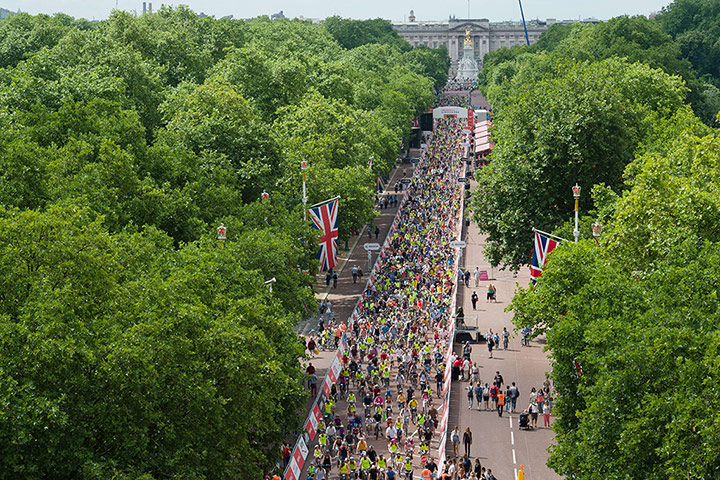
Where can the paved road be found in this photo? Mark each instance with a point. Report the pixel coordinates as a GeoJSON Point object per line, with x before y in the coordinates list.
{"type": "Point", "coordinates": [498, 442]}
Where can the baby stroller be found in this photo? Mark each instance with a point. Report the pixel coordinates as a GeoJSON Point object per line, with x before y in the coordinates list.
{"type": "Point", "coordinates": [524, 421]}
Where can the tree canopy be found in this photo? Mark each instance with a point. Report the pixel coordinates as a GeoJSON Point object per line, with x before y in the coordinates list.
{"type": "Point", "coordinates": [135, 344]}
{"type": "Point", "coordinates": [631, 318]}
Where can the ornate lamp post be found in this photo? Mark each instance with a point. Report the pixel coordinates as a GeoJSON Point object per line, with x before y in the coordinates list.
{"type": "Point", "coordinates": [597, 231]}
{"type": "Point", "coordinates": [576, 195]}
{"type": "Point", "coordinates": [303, 167]}
{"type": "Point", "coordinates": [222, 233]}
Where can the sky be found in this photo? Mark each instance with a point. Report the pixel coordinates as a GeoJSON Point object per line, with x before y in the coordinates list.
{"type": "Point", "coordinates": [495, 10]}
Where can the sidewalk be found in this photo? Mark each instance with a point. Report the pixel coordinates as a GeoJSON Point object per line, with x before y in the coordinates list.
{"type": "Point", "coordinates": [498, 442]}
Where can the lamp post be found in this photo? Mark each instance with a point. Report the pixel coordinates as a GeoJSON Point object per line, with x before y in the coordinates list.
{"type": "Point", "coordinates": [576, 195]}
{"type": "Point", "coordinates": [597, 231]}
{"type": "Point", "coordinates": [303, 167]}
{"type": "Point", "coordinates": [222, 233]}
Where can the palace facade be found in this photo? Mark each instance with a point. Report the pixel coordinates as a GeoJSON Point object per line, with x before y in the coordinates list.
{"type": "Point", "coordinates": [485, 35]}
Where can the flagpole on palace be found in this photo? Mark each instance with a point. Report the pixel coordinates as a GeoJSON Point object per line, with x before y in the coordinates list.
{"type": "Point", "coordinates": [303, 167]}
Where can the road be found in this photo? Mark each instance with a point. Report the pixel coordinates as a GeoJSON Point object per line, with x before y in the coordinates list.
{"type": "Point", "coordinates": [498, 442]}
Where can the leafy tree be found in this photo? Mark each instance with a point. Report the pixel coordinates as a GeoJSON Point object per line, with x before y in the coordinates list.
{"type": "Point", "coordinates": [636, 313]}
{"type": "Point", "coordinates": [23, 35]}
{"type": "Point", "coordinates": [433, 63]}
{"type": "Point", "coordinates": [355, 33]}
{"type": "Point", "coordinates": [581, 124]}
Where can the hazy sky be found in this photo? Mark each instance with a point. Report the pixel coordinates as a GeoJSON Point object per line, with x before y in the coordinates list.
{"type": "Point", "coordinates": [495, 10]}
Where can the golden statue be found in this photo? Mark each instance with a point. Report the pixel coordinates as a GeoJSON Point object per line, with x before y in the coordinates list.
{"type": "Point", "coordinates": [467, 37]}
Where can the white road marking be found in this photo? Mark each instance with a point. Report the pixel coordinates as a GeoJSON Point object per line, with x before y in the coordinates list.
{"type": "Point", "coordinates": [514, 460]}
{"type": "Point", "coordinates": [512, 438]}
{"type": "Point", "coordinates": [510, 421]}
{"type": "Point", "coordinates": [515, 472]}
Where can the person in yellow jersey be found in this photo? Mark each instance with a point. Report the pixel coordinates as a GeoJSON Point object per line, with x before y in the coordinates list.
{"type": "Point", "coordinates": [364, 464]}
{"type": "Point", "coordinates": [352, 466]}
{"type": "Point", "coordinates": [408, 467]}
{"type": "Point", "coordinates": [344, 470]}
{"type": "Point", "coordinates": [381, 462]}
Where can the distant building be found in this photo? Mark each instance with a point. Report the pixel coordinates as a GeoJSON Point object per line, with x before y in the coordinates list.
{"type": "Point", "coordinates": [275, 16]}
{"type": "Point", "coordinates": [485, 35]}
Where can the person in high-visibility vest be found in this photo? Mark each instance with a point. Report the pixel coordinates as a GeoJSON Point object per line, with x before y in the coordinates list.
{"type": "Point", "coordinates": [426, 474]}
{"type": "Point", "coordinates": [521, 473]}
{"type": "Point", "coordinates": [408, 467]}
{"type": "Point", "coordinates": [500, 402]}
{"type": "Point", "coordinates": [352, 466]}
{"type": "Point", "coordinates": [364, 463]}
{"type": "Point", "coordinates": [322, 440]}
{"type": "Point", "coordinates": [381, 463]}
{"type": "Point", "coordinates": [344, 469]}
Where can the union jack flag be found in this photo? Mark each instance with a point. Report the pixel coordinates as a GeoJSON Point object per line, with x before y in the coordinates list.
{"type": "Point", "coordinates": [325, 219]}
{"type": "Point", "coordinates": [380, 184]}
{"type": "Point", "coordinates": [543, 246]}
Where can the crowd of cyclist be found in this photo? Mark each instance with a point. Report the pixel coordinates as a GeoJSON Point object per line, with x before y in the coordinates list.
{"type": "Point", "coordinates": [393, 369]}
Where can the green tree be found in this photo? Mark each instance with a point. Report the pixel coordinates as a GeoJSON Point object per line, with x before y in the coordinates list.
{"type": "Point", "coordinates": [582, 125]}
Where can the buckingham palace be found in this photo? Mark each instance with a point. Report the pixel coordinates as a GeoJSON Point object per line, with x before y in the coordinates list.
{"type": "Point", "coordinates": [484, 35]}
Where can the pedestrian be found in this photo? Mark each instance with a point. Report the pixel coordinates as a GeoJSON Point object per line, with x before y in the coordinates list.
{"type": "Point", "coordinates": [312, 383]}
{"type": "Point", "coordinates": [477, 276]}
{"type": "Point", "coordinates": [311, 346]}
{"type": "Point", "coordinates": [455, 438]}
{"type": "Point", "coordinates": [355, 273]}
{"type": "Point", "coordinates": [467, 278]}
{"type": "Point", "coordinates": [470, 395]}
{"type": "Point", "coordinates": [533, 414]}
{"type": "Point", "coordinates": [486, 396]}
{"type": "Point", "coordinates": [467, 441]}
{"type": "Point", "coordinates": [474, 300]}
{"type": "Point", "coordinates": [328, 277]}
{"type": "Point", "coordinates": [514, 395]}
{"type": "Point", "coordinates": [498, 380]}
{"type": "Point", "coordinates": [478, 394]}
{"type": "Point", "coordinates": [335, 279]}
{"type": "Point", "coordinates": [369, 230]}
{"type": "Point", "coordinates": [500, 402]}
{"type": "Point", "coordinates": [546, 416]}
{"type": "Point", "coordinates": [508, 397]}
{"type": "Point", "coordinates": [505, 338]}
{"type": "Point", "coordinates": [490, 293]}
{"type": "Point", "coordinates": [490, 342]}
{"type": "Point", "coordinates": [377, 232]}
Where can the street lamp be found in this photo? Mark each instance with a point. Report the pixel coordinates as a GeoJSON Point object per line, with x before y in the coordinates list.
{"type": "Point", "coordinates": [597, 231]}
{"type": "Point", "coordinates": [303, 167]}
{"type": "Point", "coordinates": [576, 195]}
{"type": "Point", "coordinates": [222, 233]}
{"type": "Point", "coordinates": [269, 283]}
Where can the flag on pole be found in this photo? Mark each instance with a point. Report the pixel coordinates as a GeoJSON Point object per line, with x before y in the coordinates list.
{"type": "Point", "coordinates": [380, 184]}
{"type": "Point", "coordinates": [543, 246]}
{"type": "Point", "coordinates": [325, 219]}
{"type": "Point", "coordinates": [370, 163]}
